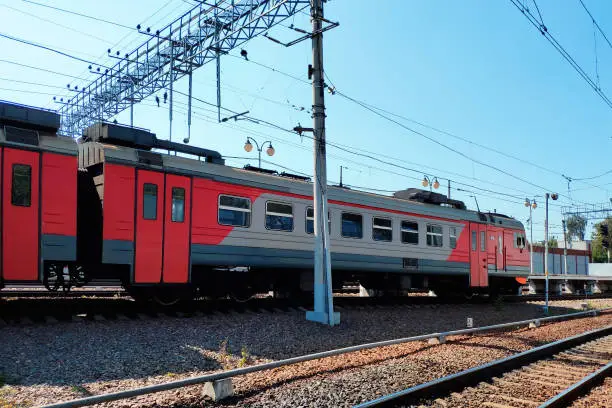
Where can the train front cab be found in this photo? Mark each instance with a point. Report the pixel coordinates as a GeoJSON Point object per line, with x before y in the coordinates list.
{"type": "Point", "coordinates": [37, 196]}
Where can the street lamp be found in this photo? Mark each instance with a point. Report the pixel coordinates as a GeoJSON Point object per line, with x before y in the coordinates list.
{"type": "Point", "coordinates": [248, 147]}
{"type": "Point", "coordinates": [554, 196]}
{"type": "Point", "coordinates": [427, 182]}
{"type": "Point", "coordinates": [532, 206]}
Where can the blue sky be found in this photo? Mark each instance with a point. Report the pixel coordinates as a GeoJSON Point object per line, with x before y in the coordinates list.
{"type": "Point", "coordinates": [475, 69]}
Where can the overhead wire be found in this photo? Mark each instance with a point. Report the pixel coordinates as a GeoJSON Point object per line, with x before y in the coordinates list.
{"type": "Point", "coordinates": [50, 49]}
{"type": "Point", "coordinates": [79, 14]}
{"type": "Point", "coordinates": [553, 41]}
{"type": "Point", "coordinates": [56, 23]}
{"type": "Point", "coordinates": [364, 104]}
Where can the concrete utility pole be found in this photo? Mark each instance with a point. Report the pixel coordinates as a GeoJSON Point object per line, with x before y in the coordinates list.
{"type": "Point", "coordinates": [546, 253]}
{"type": "Point", "coordinates": [323, 299]}
{"type": "Point", "coordinates": [564, 248]}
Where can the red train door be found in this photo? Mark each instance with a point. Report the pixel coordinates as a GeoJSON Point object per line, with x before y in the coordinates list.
{"type": "Point", "coordinates": [149, 226]}
{"type": "Point", "coordinates": [478, 255]}
{"type": "Point", "coordinates": [484, 256]}
{"type": "Point", "coordinates": [20, 241]}
{"type": "Point", "coordinates": [176, 229]}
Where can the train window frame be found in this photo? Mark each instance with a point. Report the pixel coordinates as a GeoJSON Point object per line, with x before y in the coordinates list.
{"type": "Point", "coordinates": [382, 227]}
{"type": "Point", "coordinates": [17, 198]}
{"type": "Point", "coordinates": [483, 241]}
{"type": "Point", "coordinates": [431, 234]}
{"type": "Point", "coordinates": [474, 241]}
{"type": "Point", "coordinates": [248, 210]}
{"type": "Point", "coordinates": [452, 237]}
{"type": "Point", "coordinates": [404, 229]}
{"type": "Point", "coordinates": [145, 215]}
{"type": "Point", "coordinates": [181, 212]}
{"type": "Point", "coordinates": [345, 213]}
{"type": "Point", "coordinates": [307, 218]}
{"type": "Point", "coordinates": [280, 215]}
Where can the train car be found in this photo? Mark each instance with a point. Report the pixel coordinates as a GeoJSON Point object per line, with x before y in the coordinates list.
{"type": "Point", "coordinates": [169, 225]}
{"type": "Point", "coordinates": [38, 198]}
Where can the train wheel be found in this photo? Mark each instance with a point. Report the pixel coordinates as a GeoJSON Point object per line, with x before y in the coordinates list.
{"type": "Point", "coordinates": [52, 277]}
{"type": "Point", "coordinates": [168, 297]}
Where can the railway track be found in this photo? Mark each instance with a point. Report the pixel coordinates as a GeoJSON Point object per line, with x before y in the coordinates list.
{"type": "Point", "coordinates": [553, 375]}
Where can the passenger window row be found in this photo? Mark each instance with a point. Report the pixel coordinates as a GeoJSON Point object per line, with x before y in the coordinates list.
{"type": "Point", "coordinates": [236, 212]}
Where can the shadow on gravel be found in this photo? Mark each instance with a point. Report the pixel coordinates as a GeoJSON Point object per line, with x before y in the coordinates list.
{"type": "Point", "coordinates": [76, 353]}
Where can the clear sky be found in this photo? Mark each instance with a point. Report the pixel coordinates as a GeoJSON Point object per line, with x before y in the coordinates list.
{"type": "Point", "coordinates": [473, 68]}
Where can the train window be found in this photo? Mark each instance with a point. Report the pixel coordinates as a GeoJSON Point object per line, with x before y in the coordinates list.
{"type": "Point", "coordinates": [515, 235]}
{"type": "Point", "coordinates": [149, 201]}
{"type": "Point", "coordinates": [452, 237]}
{"type": "Point", "coordinates": [500, 243]}
{"type": "Point", "coordinates": [434, 235]}
{"type": "Point", "coordinates": [235, 211]}
{"type": "Point", "coordinates": [382, 229]}
{"type": "Point", "coordinates": [279, 216]}
{"type": "Point", "coordinates": [178, 204]}
{"type": "Point", "coordinates": [474, 238]}
{"type": "Point", "coordinates": [21, 191]}
{"type": "Point", "coordinates": [310, 220]}
{"type": "Point", "coordinates": [352, 225]}
{"type": "Point", "coordinates": [483, 241]}
{"type": "Point", "coordinates": [410, 232]}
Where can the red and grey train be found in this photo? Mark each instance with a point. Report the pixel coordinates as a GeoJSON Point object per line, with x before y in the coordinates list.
{"type": "Point", "coordinates": [168, 226]}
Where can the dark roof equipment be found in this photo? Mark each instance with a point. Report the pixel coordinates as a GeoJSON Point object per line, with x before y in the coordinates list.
{"type": "Point", "coordinates": [143, 139]}
{"type": "Point", "coordinates": [428, 197]}
{"type": "Point", "coordinates": [28, 117]}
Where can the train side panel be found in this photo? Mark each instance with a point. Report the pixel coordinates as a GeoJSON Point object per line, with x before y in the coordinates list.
{"type": "Point", "coordinates": [58, 207]}
{"type": "Point", "coordinates": [118, 208]}
{"type": "Point", "coordinates": [20, 213]}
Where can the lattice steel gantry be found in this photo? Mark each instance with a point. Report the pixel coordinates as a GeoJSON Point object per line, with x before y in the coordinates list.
{"type": "Point", "coordinates": [208, 30]}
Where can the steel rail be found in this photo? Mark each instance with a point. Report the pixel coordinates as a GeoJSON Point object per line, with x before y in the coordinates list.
{"type": "Point", "coordinates": [579, 389]}
{"type": "Point", "coordinates": [471, 377]}
{"type": "Point", "coordinates": [96, 399]}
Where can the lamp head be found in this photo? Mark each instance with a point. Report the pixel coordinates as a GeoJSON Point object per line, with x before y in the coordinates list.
{"type": "Point", "coordinates": [554, 196]}
{"type": "Point", "coordinates": [270, 150]}
{"type": "Point", "coordinates": [527, 204]}
{"type": "Point", "coordinates": [248, 146]}
{"type": "Point", "coordinates": [425, 181]}
{"type": "Point", "coordinates": [436, 183]}
{"type": "Point", "coordinates": [534, 205]}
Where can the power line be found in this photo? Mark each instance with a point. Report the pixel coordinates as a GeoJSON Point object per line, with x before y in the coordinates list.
{"type": "Point", "coordinates": [553, 41]}
{"type": "Point", "coordinates": [595, 23]}
{"type": "Point", "coordinates": [79, 14]}
{"type": "Point", "coordinates": [505, 154]}
{"type": "Point", "coordinates": [44, 47]}
{"type": "Point", "coordinates": [40, 69]}
{"type": "Point", "coordinates": [367, 107]}
{"type": "Point", "coordinates": [594, 177]}
{"type": "Point", "coordinates": [56, 23]}
{"type": "Point", "coordinates": [26, 91]}
{"type": "Point", "coordinates": [32, 83]}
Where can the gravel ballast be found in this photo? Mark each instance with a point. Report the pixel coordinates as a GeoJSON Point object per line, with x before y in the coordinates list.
{"type": "Point", "coordinates": [48, 363]}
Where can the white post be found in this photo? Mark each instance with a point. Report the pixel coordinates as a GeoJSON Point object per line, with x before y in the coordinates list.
{"type": "Point", "coordinates": [546, 254]}
{"type": "Point", "coordinates": [323, 300]}
{"type": "Point", "coordinates": [531, 239]}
